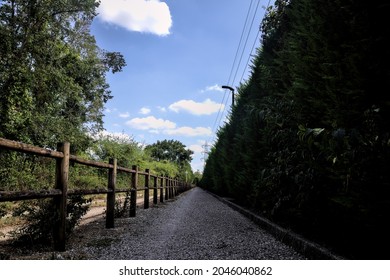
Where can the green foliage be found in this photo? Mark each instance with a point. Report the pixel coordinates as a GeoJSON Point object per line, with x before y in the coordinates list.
{"type": "Point", "coordinates": [122, 206]}
{"type": "Point", "coordinates": [21, 172]}
{"type": "Point", "coordinates": [52, 74]}
{"type": "Point", "coordinates": [84, 177]}
{"type": "Point", "coordinates": [197, 177]}
{"type": "Point", "coordinates": [170, 150]}
{"type": "Point", "coordinates": [307, 143]}
{"type": "Point", "coordinates": [3, 210]}
{"type": "Point", "coordinates": [174, 153]}
{"type": "Point", "coordinates": [123, 148]}
{"type": "Point", "coordinates": [40, 217]}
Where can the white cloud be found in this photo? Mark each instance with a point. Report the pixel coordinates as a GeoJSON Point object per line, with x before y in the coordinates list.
{"type": "Point", "coordinates": [215, 87]}
{"type": "Point", "coordinates": [144, 111]}
{"type": "Point", "coordinates": [150, 123]}
{"type": "Point", "coordinates": [124, 115]}
{"type": "Point", "coordinates": [162, 109]}
{"type": "Point", "coordinates": [151, 16]}
{"type": "Point", "coordinates": [196, 148]}
{"type": "Point", "coordinates": [161, 126]}
{"type": "Point", "coordinates": [108, 110]}
{"type": "Point", "coordinates": [206, 107]}
{"type": "Point", "coordinates": [189, 131]}
{"type": "Point", "coordinates": [113, 135]}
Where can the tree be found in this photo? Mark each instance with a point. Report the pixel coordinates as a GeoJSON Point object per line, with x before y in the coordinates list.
{"type": "Point", "coordinates": [123, 148]}
{"type": "Point", "coordinates": [175, 152]}
{"type": "Point", "coordinates": [52, 74]}
{"type": "Point", "coordinates": [52, 80]}
{"type": "Point", "coordinates": [170, 150]}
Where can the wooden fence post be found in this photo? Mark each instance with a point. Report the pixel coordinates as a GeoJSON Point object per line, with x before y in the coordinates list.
{"type": "Point", "coordinates": [173, 188]}
{"type": "Point", "coordinates": [155, 190]}
{"type": "Point", "coordinates": [146, 193]}
{"type": "Point", "coordinates": [170, 188]}
{"type": "Point", "coordinates": [166, 188]}
{"type": "Point", "coordinates": [162, 189]}
{"type": "Point", "coordinates": [110, 215]}
{"type": "Point", "coordinates": [62, 175]}
{"type": "Point", "coordinates": [133, 192]}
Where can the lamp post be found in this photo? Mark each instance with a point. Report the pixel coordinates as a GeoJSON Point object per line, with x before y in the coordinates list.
{"type": "Point", "coordinates": [232, 90]}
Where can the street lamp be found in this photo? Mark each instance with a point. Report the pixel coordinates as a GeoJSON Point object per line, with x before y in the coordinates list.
{"type": "Point", "coordinates": [232, 90]}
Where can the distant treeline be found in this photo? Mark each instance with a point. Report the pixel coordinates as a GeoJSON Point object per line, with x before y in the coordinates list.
{"type": "Point", "coordinates": [307, 143]}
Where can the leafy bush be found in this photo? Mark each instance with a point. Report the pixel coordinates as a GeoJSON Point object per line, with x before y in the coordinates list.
{"type": "Point", "coordinates": [3, 211]}
{"type": "Point", "coordinates": [122, 207]}
{"type": "Point", "coordinates": [40, 217]}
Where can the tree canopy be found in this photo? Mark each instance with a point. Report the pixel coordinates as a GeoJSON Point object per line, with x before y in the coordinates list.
{"type": "Point", "coordinates": [170, 150]}
{"type": "Point", "coordinates": [175, 152]}
{"type": "Point", "coordinates": [52, 73]}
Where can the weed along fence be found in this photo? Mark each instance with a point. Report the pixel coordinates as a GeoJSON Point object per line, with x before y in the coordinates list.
{"type": "Point", "coordinates": [164, 188]}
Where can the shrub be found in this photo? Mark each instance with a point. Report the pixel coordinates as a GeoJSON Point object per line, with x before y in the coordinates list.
{"type": "Point", "coordinates": [40, 217]}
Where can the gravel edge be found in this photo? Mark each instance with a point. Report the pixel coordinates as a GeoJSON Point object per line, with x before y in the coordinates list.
{"type": "Point", "coordinates": [307, 248]}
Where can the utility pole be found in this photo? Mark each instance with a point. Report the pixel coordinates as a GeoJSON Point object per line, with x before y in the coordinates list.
{"type": "Point", "coordinates": [205, 153]}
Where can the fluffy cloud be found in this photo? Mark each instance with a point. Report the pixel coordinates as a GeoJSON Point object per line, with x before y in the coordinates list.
{"type": "Point", "coordinates": [124, 115]}
{"type": "Point", "coordinates": [157, 126]}
{"type": "Point", "coordinates": [113, 135]}
{"type": "Point", "coordinates": [162, 109]}
{"type": "Point", "coordinates": [150, 16]}
{"type": "Point", "coordinates": [150, 123]}
{"type": "Point", "coordinates": [144, 111]}
{"type": "Point", "coordinates": [196, 148]}
{"type": "Point", "coordinates": [215, 87]}
{"type": "Point", "coordinates": [206, 107]}
{"type": "Point", "coordinates": [189, 131]}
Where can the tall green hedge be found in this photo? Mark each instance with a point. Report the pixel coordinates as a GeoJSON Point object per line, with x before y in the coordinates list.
{"type": "Point", "coordinates": [308, 141]}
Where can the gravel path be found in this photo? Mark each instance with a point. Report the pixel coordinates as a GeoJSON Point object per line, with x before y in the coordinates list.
{"type": "Point", "coordinates": [194, 226]}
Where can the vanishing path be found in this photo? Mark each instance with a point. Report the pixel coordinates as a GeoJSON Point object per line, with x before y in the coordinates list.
{"type": "Point", "coordinates": [194, 226]}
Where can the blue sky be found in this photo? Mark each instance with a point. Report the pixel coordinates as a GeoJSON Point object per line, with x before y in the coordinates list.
{"type": "Point", "coordinates": [179, 53]}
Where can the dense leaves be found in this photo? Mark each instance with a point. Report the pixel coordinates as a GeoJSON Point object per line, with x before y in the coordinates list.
{"type": "Point", "coordinates": [308, 142]}
{"type": "Point", "coordinates": [52, 81]}
{"type": "Point", "coordinates": [40, 217]}
{"type": "Point", "coordinates": [52, 74]}
{"type": "Point", "coordinates": [174, 152]}
{"type": "Point", "coordinates": [171, 150]}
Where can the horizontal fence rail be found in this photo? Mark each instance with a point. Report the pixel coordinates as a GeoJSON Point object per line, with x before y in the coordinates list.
{"type": "Point", "coordinates": [164, 188]}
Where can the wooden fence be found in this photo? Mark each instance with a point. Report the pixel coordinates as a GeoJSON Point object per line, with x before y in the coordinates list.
{"type": "Point", "coordinates": [164, 187]}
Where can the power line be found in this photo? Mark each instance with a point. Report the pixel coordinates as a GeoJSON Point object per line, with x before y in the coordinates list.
{"type": "Point", "coordinates": [220, 113]}
{"type": "Point", "coordinates": [223, 106]}
{"type": "Point", "coordinates": [253, 46]}
{"type": "Point", "coordinates": [249, 57]}
{"type": "Point", "coordinates": [246, 41]}
{"type": "Point", "coordinates": [236, 66]}
{"type": "Point", "coordinates": [239, 44]}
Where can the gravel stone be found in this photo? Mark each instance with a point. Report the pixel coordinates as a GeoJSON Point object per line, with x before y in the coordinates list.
{"type": "Point", "coordinates": [193, 226]}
